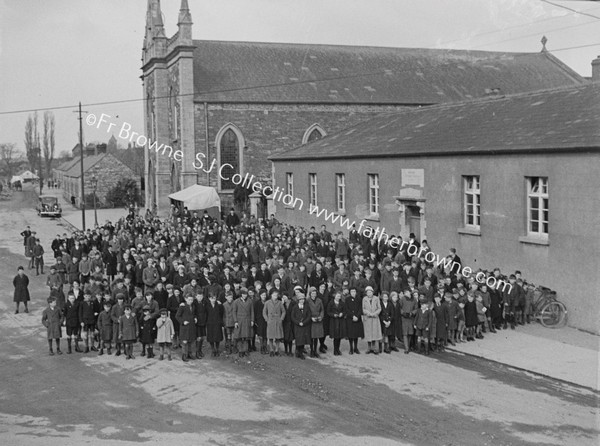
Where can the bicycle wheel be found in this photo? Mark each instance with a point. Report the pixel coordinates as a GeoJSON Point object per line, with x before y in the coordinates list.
{"type": "Point", "coordinates": [553, 315]}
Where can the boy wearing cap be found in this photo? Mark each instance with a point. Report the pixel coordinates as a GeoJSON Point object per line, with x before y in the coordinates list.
{"type": "Point", "coordinates": [187, 327]}
{"type": "Point", "coordinates": [52, 319]}
{"type": "Point", "coordinates": [116, 312]}
{"type": "Point", "coordinates": [301, 318]}
{"type": "Point", "coordinates": [128, 331]}
{"type": "Point", "coordinates": [105, 329]}
{"type": "Point", "coordinates": [87, 321]}
{"type": "Point", "coordinates": [165, 332]}
{"type": "Point", "coordinates": [147, 331]}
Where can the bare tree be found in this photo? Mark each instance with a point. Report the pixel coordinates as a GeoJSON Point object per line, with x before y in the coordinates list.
{"type": "Point", "coordinates": [48, 142]}
{"type": "Point", "coordinates": [32, 141]}
{"type": "Point", "coordinates": [10, 157]}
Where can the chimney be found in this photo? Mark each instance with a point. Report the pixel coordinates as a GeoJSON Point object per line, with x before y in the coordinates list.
{"type": "Point", "coordinates": [596, 69]}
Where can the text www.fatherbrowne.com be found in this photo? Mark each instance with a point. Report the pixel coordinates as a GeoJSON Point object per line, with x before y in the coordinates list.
{"type": "Point", "coordinates": [277, 194]}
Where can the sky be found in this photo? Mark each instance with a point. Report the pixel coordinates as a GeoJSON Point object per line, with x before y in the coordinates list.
{"type": "Point", "coordinates": [62, 52]}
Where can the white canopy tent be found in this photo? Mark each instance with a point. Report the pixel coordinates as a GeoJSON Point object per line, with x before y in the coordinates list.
{"type": "Point", "coordinates": [197, 198]}
{"type": "Point", "coordinates": [16, 178]}
{"type": "Point", "coordinates": [28, 176]}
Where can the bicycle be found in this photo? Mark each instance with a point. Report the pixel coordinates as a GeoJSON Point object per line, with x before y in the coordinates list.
{"type": "Point", "coordinates": [548, 310]}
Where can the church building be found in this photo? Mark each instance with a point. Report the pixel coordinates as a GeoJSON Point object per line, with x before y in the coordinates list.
{"type": "Point", "coordinates": [238, 103]}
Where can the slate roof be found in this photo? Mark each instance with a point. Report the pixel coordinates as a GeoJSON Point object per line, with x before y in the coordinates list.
{"type": "Point", "coordinates": [88, 162]}
{"type": "Point", "coordinates": [67, 165]}
{"type": "Point", "coordinates": [566, 119]}
{"type": "Point", "coordinates": [223, 71]}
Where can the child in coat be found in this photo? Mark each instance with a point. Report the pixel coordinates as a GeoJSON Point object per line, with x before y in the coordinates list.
{"type": "Point", "coordinates": [165, 332]}
{"type": "Point", "coordinates": [128, 331]}
{"type": "Point", "coordinates": [461, 322]}
{"type": "Point", "coordinates": [147, 332]}
{"type": "Point", "coordinates": [228, 322]}
{"type": "Point", "coordinates": [105, 329]}
{"type": "Point", "coordinates": [52, 319]}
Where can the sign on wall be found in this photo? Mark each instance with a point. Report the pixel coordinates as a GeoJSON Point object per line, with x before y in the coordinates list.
{"type": "Point", "coordinates": [413, 177]}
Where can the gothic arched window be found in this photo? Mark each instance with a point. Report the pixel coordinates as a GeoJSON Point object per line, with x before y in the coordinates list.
{"type": "Point", "coordinates": [229, 144]}
{"type": "Point", "coordinates": [313, 133]}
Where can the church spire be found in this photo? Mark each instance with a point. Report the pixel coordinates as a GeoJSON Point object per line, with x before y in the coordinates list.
{"type": "Point", "coordinates": [154, 20]}
{"type": "Point", "coordinates": [184, 23]}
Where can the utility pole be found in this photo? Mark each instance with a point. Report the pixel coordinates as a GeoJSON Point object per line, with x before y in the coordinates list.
{"type": "Point", "coordinates": [81, 164]}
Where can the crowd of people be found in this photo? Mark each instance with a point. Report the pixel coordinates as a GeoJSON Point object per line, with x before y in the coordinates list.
{"type": "Point", "coordinates": [178, 282]}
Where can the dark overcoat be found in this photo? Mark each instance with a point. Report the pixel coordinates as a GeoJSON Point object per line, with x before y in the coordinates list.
{"type": "Point", "coordinates": [302, 333]}
{"type": "Point", "coordinates": [52, 319]}
{"type": "Point", "coordinates": [128, 328]}
{"type": "Point", "coordinates": [105, 326]}
{"type": "Point", "coordinates": [317, 310]}
{"type": "Point", "coordinates": [387, 315]}
{"type": "Point", "coordinates": [71, 313]}
{"type": "Point", "coordinates": [354, 330]}
{"type": "Point", "coordinates": [261, 322]}
{"type": "Point", "coordinates": [471, 319]}
{"type": "Point", "coordinates": [243, 315]}
{"type": "Point", "coordinates": [337, 319]}
{"type": "Point", "coordinates": [21, 291]}
{"type": "Point", "coordinates": [288, 325]}
{"type": "Point", "coordinates": [214, 322]}
{"type": "Point", "coordinates": [147, 330]}
{"type": "Point", "coordinates": [442, 317]}
{"type": "Point", "coordinates": [187, 332]}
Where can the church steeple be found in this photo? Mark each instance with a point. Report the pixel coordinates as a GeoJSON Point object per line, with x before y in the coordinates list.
{"type": "Point", "coordinates": [184, 23]}
{"type": "Point", "coordinates": [155, 40]}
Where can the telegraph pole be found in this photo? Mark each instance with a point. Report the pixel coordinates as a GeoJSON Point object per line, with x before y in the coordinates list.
{"type": "Point", "coordinates": [81, 164]}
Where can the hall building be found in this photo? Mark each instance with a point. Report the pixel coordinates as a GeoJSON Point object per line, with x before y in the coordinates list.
{"type": "Point", "coordinates": [510, 181]}
{"type": "Point", "coordinates": [240, 102]}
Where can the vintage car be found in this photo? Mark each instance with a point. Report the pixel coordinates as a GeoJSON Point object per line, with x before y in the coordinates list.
{"type": "Point", "coordinates": [48, 206]}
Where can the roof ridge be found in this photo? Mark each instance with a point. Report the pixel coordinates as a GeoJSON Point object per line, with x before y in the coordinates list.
{"type": "Point", "coordinates": [339, 45]}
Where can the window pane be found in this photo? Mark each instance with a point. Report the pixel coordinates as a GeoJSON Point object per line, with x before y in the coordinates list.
{"type": "Point", "coordinates": [545, 203]}
{"type": "Point", "coordinates": [535, 214]}
{"type": "Point", "coordinates": [314, 135]}
{"type": "Point", "coordinates": [469, 183]}
{"type": "Point", "coordinates": [534, 185]}
{"type": "Point", "coordinates": [469, 198]}
{"type": "Point", "coordinates": [545, 216]}
{"type": "Point", "coordinates": [469, 219]}
{"type": "Point", "coordinates": [535, 202]}
{"type": "Point", "coordinates": [545, 228]}
{"type": "Point", "coordinates": [534, 226]}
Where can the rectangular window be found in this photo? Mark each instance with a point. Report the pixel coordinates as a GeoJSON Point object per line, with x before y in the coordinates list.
{"type": "Point", "coordinates": [472, 202]}
{"type": "Point", "coordinates": [340, 192]}
{"type": "Point", "coordinates": [374, 194]}
{"type": "Point", "coordinates": [312, 186]}
{"type": "Point", "coordinates": [537, 206]}
{"type": "Point", "coordinates": [289, 184]}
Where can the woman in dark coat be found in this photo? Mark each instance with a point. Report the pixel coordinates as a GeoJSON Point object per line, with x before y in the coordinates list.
{"type": "Point", "coordinates": [301, 317]}
{"type": "Point", "coordinates": [21, 282]}
{"type": "Point", "coordinates": [336, 310]}
{"type": "Point", "coordinates": [471, 319]}
{"type": "Point", "coordinates": [354, 325]}
{"type": "Point", "coordinates": [214, 324]}
{"type": "Point", "coordinates": [288, 325]}
{"type": "Point", "coordinates": [260, 323]}
{"type": "Point", "coordinates": [317, 310]}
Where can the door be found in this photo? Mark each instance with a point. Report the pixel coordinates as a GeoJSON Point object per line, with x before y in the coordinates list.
{"type": "Point", "coordinates": [413, 217]}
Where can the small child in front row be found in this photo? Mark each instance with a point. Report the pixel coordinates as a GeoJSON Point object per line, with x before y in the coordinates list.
{"type": "Point", "coordinates": [165, 332]}
{"type": "Point", "coordinates": [105, 329]}
{"type": "Point", "coordinates": [147, 332]}
{"type": "Point", "coordinates": [52, 319]}
{"type": "Point", "coordinates": [128, 331]}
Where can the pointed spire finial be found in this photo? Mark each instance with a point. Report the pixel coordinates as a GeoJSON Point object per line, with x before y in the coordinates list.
{"type": "Point", "coordinates": [544, 40]}
{"type": "Point", "coordinates": [184, 13]}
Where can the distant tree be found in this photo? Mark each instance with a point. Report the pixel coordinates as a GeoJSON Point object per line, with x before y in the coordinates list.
{"type": "Point", "coordinates": [124, 193]}
{"type": "Point", "coordinates": [48, 142]}
{"type": "Point", "coordinates": [10, 158]}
